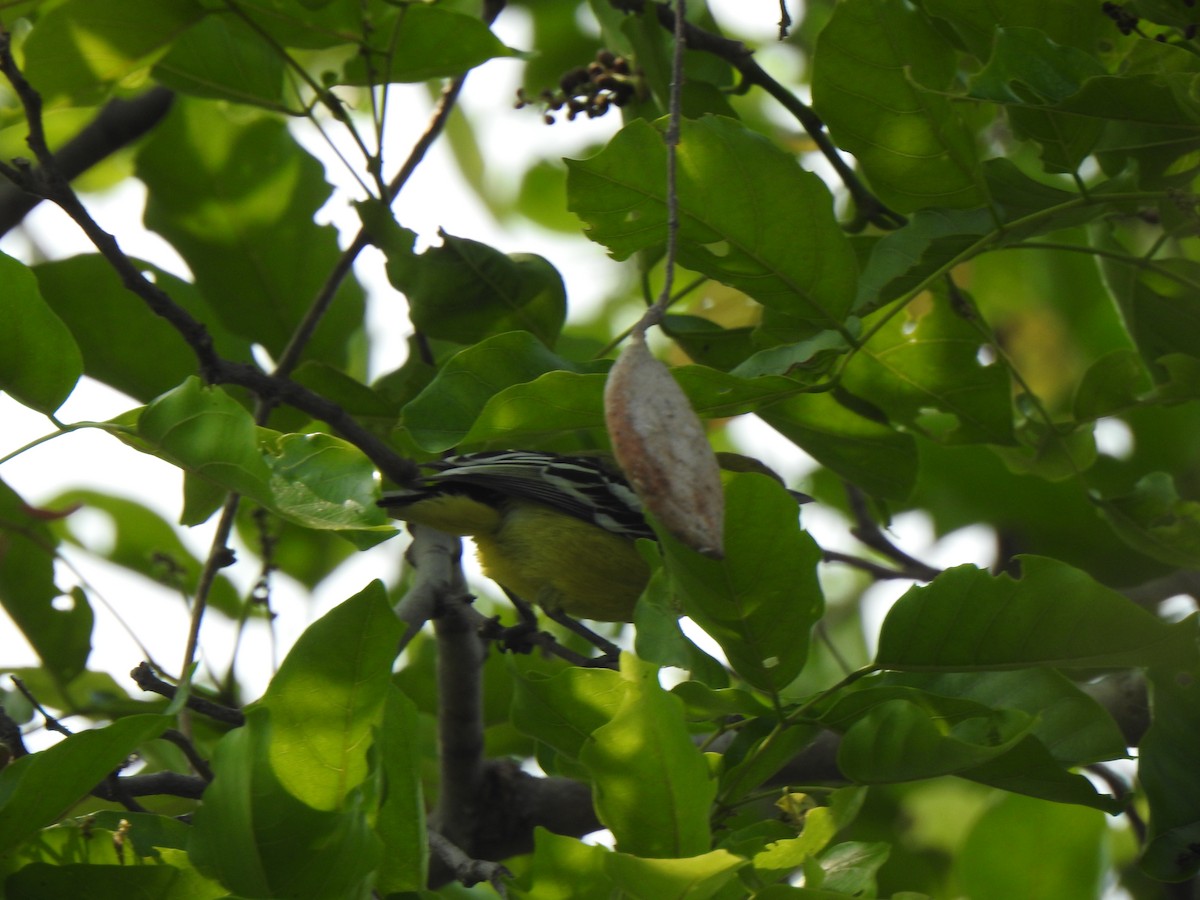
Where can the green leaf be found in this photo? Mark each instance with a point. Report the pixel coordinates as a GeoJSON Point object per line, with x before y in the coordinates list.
{"type": "Point", "coordinates": [770, 231]}
{"type": "Point", "coordinates": [401, 820]}
{"type": "Point", "coordinates": [780, 858]}
{"type": "Point", "coordinates": [565, 868]}
{"type": "Point", "coordinates": [765, 748]}
{"type": "Point", "coordinates": [761, 601]}
{"type": "Point", "coordinates": [39, 789]}
{"type": "Point", "coordinates": [562, 710]}
{"type": "Point", "coordinates": [1154, 519]}
{"type": "Point", "coordinates": [1167, 772]}
{"type": "Point", "coordinates": [175, 881]}
{"type": "Point", "coordinates": [1055, 615]}
{"type": "Point", "coordinates": [651, 785]}
{"type": "Point", "coordinates": [1064, 21]}
{"type": "Point", "coordinates": [455, 402]}
{"type": "Point", "coordinates": [1061, 848]}
{"type": "Point", "coordinates": [788, 358]}
{"type": "Point", "coordinates": [260, 841]}
{"type": "Point", "coordinates": [205, 431]}
{"type": "Point", "coordinates": [243, 222]}
{"type": "Point", "coordinates": [124, 344]}
{"type": "Point", "coordinates": [1113, 383]}
{"type": "Point", "coordinates": [1159, 305]}
{"type": "Point", "coordinates": [1028, 768]}
{"type": "Point", "coordinates": [1073, 727]}
{"type": "Point", "coordinates": [323, 482]}
{"type": "Point", "coordinates": [928, 363]}
{"type": "Point", "coordinates": [1054, 452]}
{"type": "Point", "coordinates": [873, 456]}
{"type": "Point", "coordinates": [1028, 70]}
{"type": "Point", "coordinates": [80, 50]}
{"type": "Point", "coordinates": [466, 291]}
{"type": "Point", "coordinates": [425, 42]}
{"type": "Point", "coordinates": [658, 637]}
{"type": "Point", "coordinates": [934, 240]}
{"type": "Point", "coordinates": [850, 867]}
{"type": "Point", "coordinates": [57, 625]}
{"type": "Point", "coordinates": [693, 878]}
{"type": "Point", "coordinates": [223, 58]}
{"type": "Point", "coordinates": [873, 60]}
{"type": "Point", "coordinates": [901, 741]}
{"type": "Point", "coordinates": [39, 359]}
{"type": "Point", "coordinates": [328, 695]}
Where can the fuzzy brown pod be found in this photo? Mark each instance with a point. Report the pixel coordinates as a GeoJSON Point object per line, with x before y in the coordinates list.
{"type": "Point", "coordinates": [661, 447]}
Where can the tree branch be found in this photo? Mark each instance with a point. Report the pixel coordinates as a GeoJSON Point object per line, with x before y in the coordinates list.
{"type": "Point", "coordinates": [436, 559]}
{"type": "Point", "coordinates": [460, 723]}
{"type": "Point", "coordinates": [144, 677]}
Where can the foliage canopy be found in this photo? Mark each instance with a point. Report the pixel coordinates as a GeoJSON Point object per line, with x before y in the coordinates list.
{"type": "Point", "coordinates": [946, 281]}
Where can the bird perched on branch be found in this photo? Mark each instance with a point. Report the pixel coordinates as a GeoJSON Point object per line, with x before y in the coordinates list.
{"type": "Point", "coordinates": [558, 531]}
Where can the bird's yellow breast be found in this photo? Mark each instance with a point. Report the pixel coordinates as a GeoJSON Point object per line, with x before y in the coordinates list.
{"type": "Point", "coordinates": [563, 563]}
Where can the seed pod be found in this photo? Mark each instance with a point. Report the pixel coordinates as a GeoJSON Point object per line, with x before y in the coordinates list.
{"type": "Point", "coordinates": [662, 448]}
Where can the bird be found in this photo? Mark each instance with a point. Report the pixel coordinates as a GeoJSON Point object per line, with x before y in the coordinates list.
{"type": "Point", "coordinates": [555, 530]}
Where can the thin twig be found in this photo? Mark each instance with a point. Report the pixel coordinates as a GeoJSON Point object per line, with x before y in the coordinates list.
{"type": "Point", "coordinates": [868, 531]}
{"type": "Point", "coordinates": [468, 871]}
{"type": "Point", "coordinates": [145, 678]}
{"type": "Point", "coordinates": [52, 724]}
{"type": "Point", "coordinates": [656, 312]}
{"type": "Point", "coordinates": [219, 557]}
{"type": "Point", "coordinates": [198, 762]}
{"type": "Point", "coordinates": [883, 573]}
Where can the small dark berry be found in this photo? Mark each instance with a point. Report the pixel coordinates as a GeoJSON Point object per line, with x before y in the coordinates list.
{"type": "Point", "coordinates": [572, 79]}
{"type": "Point", "coordinates": [548, 119]}
{"type": "Point", "coordinates": [620, 65]}
{"type": "Point", "coordinates": [605, 58]}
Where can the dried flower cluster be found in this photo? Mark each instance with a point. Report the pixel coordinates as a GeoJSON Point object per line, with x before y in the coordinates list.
{"type": "Point", "coordinates": [592, 90]}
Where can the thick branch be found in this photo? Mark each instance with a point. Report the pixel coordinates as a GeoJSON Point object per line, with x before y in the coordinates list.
{"type": "Point", "coordinates": [460, 724]}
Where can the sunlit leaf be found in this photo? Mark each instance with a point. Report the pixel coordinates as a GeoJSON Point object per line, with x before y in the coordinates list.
{"type": "Point", "coordinates": [258, 840]}
{"type": "Point", "coordinates": [652, 786]}
{"type": "Point", "coordinates": [328, 695]}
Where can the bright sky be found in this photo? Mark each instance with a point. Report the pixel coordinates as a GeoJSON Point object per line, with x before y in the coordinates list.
{"type": "Point", "coordinates": [435, 198]}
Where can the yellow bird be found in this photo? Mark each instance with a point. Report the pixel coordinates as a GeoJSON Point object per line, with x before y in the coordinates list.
{"type": "Point", "coordinates": [555, 530]}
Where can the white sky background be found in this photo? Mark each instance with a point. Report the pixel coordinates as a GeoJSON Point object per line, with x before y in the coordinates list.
{"type": "Point", "coordinates": [435, 198]}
